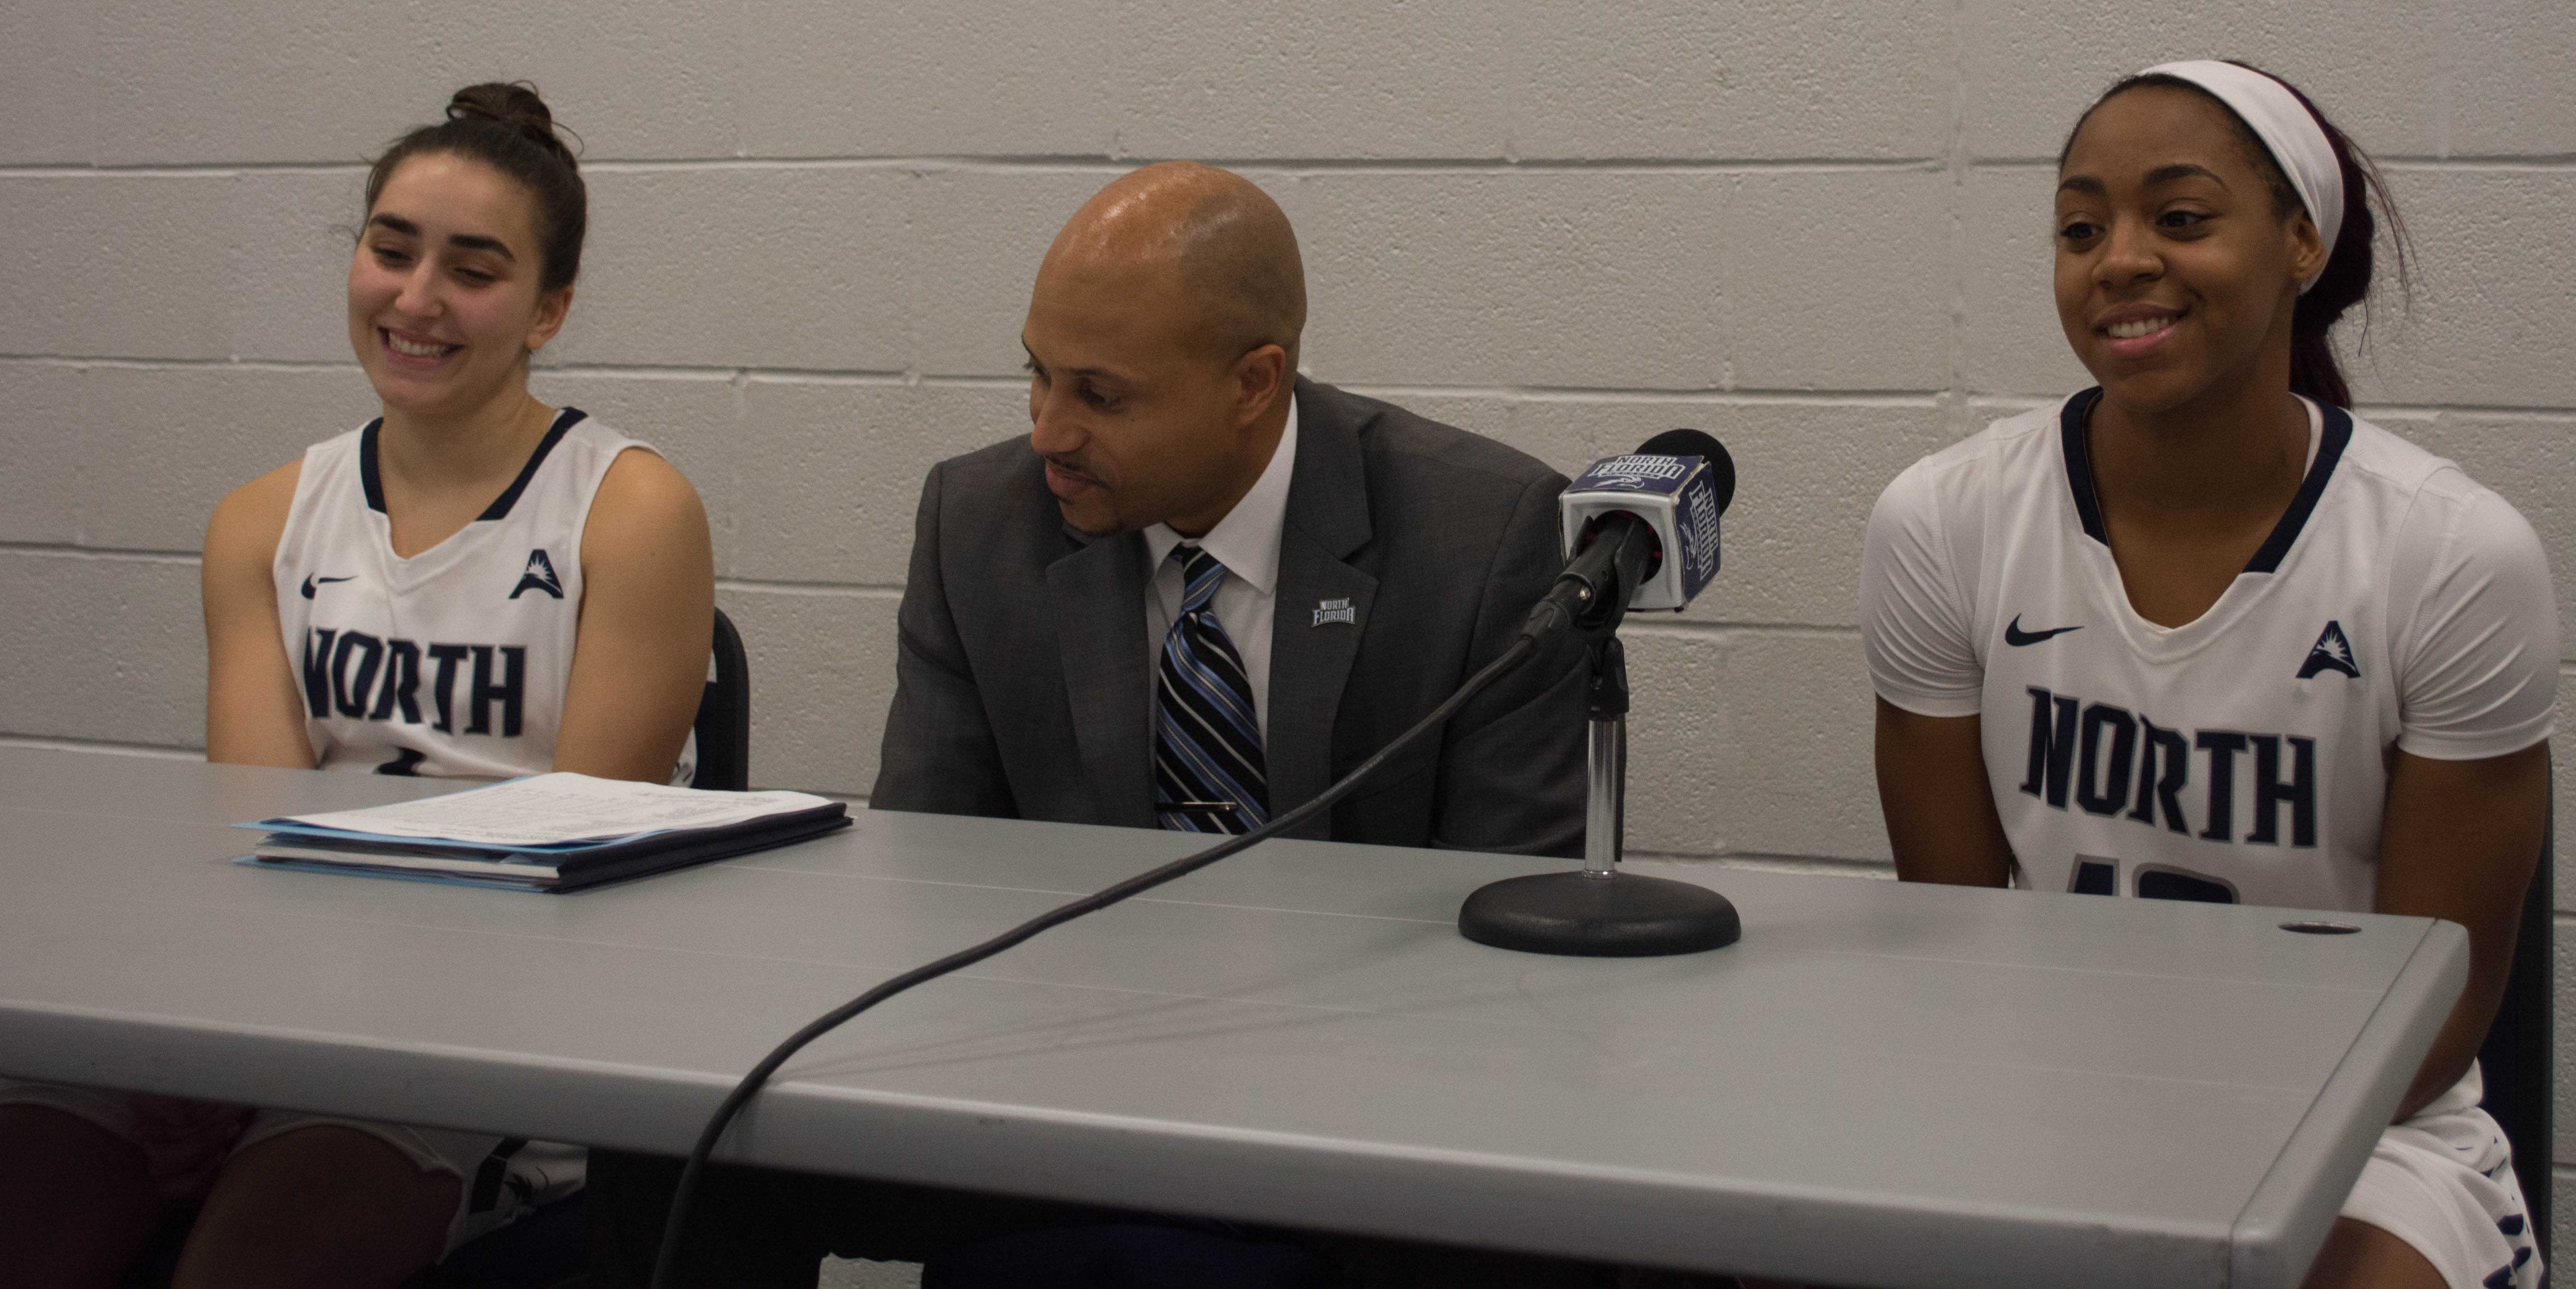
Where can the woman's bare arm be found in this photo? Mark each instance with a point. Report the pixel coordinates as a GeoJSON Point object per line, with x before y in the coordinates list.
{"type": "Point", "coordinates": [2457, 842]}
{"type": "Point", "coordinates": [254, 712]}
{"type": "Point", "coordinates": [1940, 808]}
{"type": "Point", "coordinates": [639, 662]}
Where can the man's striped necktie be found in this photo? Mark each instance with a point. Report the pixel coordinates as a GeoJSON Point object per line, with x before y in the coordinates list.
{"type": "Point", "coordinates": [1208, 767]}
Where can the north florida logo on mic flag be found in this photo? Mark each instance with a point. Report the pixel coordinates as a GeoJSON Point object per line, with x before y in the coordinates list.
{"type": "Point", "coordinates": [1677, 494]}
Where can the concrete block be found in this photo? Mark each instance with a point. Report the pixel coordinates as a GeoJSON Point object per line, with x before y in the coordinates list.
{"type": "Point", "coordinates": [2031, 68]}
{"type": "Point", "coordinates": [771, 266]}
{"type": "Point", "coordinates": [102, 647]}
{"type": "Point", "coordinates": [1751, 742]}
{"type": "Point", "coordinates": [973, 240]}
{"type": "Point", "coordinates": [2530, 460]}
{"type": "Point", "coordinates": [841, 1273]}
{"type": "Point", "coordinates": [868, 268]}
{"type": "Point", "coordinates": [1315, 79]}
{"type": "Point", "coordinates": [161, 445]}
{"type": "Point", "coordinates": [1661, 280]}
{"type": "Point", "coordinates": [2562, 1218]}
{"type": "Point", "coordinates": [2509, 91]}
{"type": "Point", "coordinates": [695, 420]}
{"type": "Point", "coordinates": [44, 424]}
{"type": "Point", "coordinates": [2562, 751]}
{"type": "Point", "coordinates": [41, 80]}
{"type": "Point", "coordinates": [2562, 1066]}
{"type": "Point", "coordinates": [293, 234]}
{"type": "Point", "coordinates": [2486, 326]}
{"type": "Point", "coordinates": [1807, 472]}
{"type": "Point", "coordinates": [123, 265]}
{"type": "Point", "coordinates": [2009, 339]}
{"type": "Point", "coordinates": [822, 673]}
{"type": "Point", "coordinates": [837, 469]}
{"type": "Point", "coordinates": [837, 80]}
{"type": "Point", "coordinates": [286, 82]}
{"type": "Point", "coordinates": [1674, 79]}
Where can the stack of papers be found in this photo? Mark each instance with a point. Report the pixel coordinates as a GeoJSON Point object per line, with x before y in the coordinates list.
{"type": "Point", "coordinates": [550, 832]}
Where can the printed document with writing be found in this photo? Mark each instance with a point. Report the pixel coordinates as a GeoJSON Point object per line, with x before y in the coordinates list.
{"type": "Point", "coordinates": [554, 810]}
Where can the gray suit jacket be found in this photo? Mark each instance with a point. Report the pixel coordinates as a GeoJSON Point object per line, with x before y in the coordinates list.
{"type": "Point", "coordinates": [1023, 672]}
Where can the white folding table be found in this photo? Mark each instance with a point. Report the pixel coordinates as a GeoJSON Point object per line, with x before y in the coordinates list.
{"type": "Point", "coordinates": [1879, 1085]}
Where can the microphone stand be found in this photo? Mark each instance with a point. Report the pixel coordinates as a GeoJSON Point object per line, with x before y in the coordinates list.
{"type": "Point", "coordinates": [1599, 911]}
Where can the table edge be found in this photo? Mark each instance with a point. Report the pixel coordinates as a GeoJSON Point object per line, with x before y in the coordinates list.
{"type": "Point", "coordinates": [2286, 1219]}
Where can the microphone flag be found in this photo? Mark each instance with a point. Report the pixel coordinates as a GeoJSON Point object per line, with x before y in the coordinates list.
{"type": "Point", "coordinates": [1676, 495]}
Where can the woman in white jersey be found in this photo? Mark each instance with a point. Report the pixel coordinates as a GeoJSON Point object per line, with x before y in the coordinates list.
{"type": "Point", "coordinates": [473, 583]}
{"type": "Point", "coordinates": [2201, 633]}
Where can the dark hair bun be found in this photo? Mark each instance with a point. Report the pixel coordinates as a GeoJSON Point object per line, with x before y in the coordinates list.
{"type": "Point", "coordinates": [516, 105]}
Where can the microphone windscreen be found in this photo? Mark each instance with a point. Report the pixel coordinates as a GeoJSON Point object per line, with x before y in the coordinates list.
{"type": "Point", "coordinates": [1695, 443]}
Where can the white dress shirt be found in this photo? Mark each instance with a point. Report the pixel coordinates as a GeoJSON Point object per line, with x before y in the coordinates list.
{"type": "Point", "coordinates": [1246, 541]}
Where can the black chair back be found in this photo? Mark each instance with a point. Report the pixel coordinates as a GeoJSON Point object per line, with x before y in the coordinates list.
{"type": "Point", "coordinates": [2515, 1058]}
{"type": "Point", "coordinates": [724, 716]}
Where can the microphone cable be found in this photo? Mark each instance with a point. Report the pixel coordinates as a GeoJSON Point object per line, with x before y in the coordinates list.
{"type": "Point", "coordinates": [666, 1262]}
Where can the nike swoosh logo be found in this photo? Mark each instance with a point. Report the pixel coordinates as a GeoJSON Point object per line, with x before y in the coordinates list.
{"type": "Point", "coordinates": [2016, 637]}
{"type": "Point", "coordinates": [311, 581]}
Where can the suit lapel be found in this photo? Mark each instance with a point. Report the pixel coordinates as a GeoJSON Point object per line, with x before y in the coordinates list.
{"type": "Point", "coordinates": [1310, 653]}
{"type": "Point", "coordinates": [1099, 600]}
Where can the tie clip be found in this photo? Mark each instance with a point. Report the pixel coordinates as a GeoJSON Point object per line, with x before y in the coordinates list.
{"type": "Point", "coordinates": [1202, 805]}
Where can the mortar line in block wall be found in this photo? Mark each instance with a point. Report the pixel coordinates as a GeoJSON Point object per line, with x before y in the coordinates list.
{"type": "Point", "coordinates": [2006, 400]}
{"type": "Point", "coordinates": [964, 163]}
{"type": "Point", "coordinates": [1070, 163]}
{"type": "Point", "coordinates": [782, 586]}
{"type": "Point", "coordinates": [73, 550]}
{"type": "Point", "coordinates": [1092, 163]}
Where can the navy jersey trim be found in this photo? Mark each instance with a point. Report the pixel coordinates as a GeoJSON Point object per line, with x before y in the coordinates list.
{"type": "Point", "coordinates": [2336, 437]}
{"type": "Point", "coordinates": [371, 479]}
{"type": "Point", "coordinates": [2079, 462]}
{"type": "Point", "coordinates": [367, 476]}
{"type": "Point", "coordinates": [500, 507]}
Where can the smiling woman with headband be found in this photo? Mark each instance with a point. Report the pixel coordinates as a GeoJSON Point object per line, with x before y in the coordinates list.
{"type": "Point", "coordinates": [2200, 633]}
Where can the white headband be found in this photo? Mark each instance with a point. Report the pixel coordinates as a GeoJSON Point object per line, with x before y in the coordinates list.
{"type": "Point", "coordinates": [2297, 143]}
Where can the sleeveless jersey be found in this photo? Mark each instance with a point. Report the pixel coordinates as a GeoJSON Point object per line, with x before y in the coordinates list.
{"type": "Point", "coordinates": [452, 662]}
{"type": "Point", "coordinates": [2240, 757]}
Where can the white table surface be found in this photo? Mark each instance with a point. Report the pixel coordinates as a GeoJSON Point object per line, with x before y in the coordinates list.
{"type": "Point", "coordinates": [1880, 1085]}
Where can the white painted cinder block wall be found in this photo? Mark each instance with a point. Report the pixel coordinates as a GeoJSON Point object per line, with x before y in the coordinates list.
{"type": "Point", "coordinates": [1817, 230]}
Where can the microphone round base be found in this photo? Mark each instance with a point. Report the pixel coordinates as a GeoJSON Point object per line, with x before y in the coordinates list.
{"type": "Point", "coordinates": [1620, 916]}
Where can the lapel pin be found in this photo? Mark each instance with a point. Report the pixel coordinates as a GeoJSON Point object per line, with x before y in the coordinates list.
{"type": "Point", "coordinates": [1336, 611]}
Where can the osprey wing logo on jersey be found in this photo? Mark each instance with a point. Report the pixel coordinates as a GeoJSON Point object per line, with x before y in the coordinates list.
{"type": "Point", "coordinates": [539, 577]}
{"type": "Point", "coordinates": [2331, 652]}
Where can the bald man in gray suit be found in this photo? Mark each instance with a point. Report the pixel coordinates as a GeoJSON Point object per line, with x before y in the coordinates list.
{"type": "Point", "coordinates": [1199, 591]}
{"type": "Point", "coordinates": [1365, 562]}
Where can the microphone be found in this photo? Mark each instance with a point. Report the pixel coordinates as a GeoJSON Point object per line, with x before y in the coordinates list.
{"type": "Point", "coordinates": [1621, 518]}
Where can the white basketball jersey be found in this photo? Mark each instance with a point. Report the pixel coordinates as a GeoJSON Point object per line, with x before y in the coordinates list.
{"type": "Point", "coordinates": [2241, 757]}
{"type": "Point", "coordinates": [452, 662]}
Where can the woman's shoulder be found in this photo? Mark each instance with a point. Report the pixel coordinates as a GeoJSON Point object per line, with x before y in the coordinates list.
{"type": "Point", "coordinates": [251, 519]}
{"type": "Point", "coordinates": [643, 502]}
{"type": "Point", "coordinates": [1963, 478]}
{"type": "Point", "coordinates": [2428, 497]}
